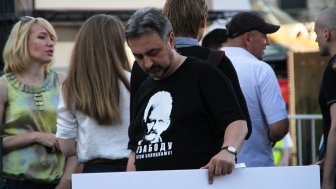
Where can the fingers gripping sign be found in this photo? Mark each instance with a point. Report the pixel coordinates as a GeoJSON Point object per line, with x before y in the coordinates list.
{"type": "Point", "coordinates": [221, 164]}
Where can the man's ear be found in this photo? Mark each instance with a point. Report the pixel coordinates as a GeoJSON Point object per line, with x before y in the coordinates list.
{"type": "Point", "coordinates": [171, 40]}
{"type": "Point", "coordinates": [203, 23]}
{"type": "Point", "coordinates": [246, 39]}
{"type": "Point", "coordinates": [327, 34]}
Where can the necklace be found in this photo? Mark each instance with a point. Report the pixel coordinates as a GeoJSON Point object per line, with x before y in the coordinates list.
{"type": "Point", "coordinates": [35, 90]}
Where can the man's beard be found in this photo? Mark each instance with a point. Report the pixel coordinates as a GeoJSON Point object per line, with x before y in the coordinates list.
{"type": "Point", "coordinates": [161, 72]}
{"type": "Point", "coordinates": [157, 72]}
{"type": "Point", "coordinates": [151, 135]}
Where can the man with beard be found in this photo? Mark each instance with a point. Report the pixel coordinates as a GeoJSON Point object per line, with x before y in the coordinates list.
{"type": "Point", "coordinates": [189, 20]}
{"type": "Point", "coordinates": [206, 125]}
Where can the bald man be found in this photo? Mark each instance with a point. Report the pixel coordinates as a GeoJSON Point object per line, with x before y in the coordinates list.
{"type": "Point", "coordinates": [325, 29]}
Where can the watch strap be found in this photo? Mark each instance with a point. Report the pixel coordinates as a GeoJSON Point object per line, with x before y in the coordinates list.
{"type": "Point", "coordinates": [227, 149]}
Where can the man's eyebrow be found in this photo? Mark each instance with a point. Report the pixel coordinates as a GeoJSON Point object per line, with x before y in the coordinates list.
{"type": "Point", "coordinates": [152, 50]}
{"type": "Point", "coordinates": [146, 53]}
{"type": "Point", "coordinates": [137, 55]}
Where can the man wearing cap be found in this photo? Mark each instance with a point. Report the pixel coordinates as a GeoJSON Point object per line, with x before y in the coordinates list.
{"type": "Point", "coordinates": [247, 41]}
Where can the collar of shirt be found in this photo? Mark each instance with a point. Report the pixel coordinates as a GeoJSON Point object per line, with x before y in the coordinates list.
{"type": "Point", "coordinates": [237, 51]}
{"type": "Point", "coordinates": [185, 42]}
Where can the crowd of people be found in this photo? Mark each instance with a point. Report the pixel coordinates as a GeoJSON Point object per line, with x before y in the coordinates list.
{"type": "Point", "coordinates": [180, 106]}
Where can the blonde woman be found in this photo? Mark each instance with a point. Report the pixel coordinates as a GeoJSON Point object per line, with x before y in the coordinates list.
{"type": "Point", "coordinates": [29, 93]}
{"type": "Point", "coordinates": [93, 115]}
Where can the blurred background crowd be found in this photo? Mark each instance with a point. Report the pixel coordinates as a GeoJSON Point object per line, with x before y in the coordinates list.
{"type": "Point", "coordinates": [293, 53]}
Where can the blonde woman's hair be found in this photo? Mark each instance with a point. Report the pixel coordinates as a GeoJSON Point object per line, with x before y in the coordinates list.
{"type": "Point", "coordinates": [97, 69]}
{"type": "Point", "coordinates": [16, 50]}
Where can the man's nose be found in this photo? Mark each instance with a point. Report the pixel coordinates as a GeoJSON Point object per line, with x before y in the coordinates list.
{"type": "Point", "coordinates": [147, 62]}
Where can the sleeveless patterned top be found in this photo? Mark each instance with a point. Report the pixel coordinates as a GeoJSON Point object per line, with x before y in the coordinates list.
{"type": "Point", "coordinates": [32, 109]}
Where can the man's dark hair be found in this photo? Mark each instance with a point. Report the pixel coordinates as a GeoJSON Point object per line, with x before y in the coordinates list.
{"type": "Point", "coordinates": [148, 20]}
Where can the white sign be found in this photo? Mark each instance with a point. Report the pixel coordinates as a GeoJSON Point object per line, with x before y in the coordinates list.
{"type": "Point", "coordinates": [96, 4]}
{"type": "Point", "coordinates": [291, 177]}
{"type": "Point", "coordinates": [241, 5]}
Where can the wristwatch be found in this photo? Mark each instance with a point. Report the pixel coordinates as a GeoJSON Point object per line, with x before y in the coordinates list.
{"type": "Point", "coordinates": [232, 150]}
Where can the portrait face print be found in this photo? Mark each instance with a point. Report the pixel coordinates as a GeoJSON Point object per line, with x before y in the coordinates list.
{"type": "Point", "coordinates": [157, 116]}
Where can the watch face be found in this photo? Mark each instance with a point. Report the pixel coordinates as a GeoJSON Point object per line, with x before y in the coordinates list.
{"type": "Point", "coordinates": [232, 149]}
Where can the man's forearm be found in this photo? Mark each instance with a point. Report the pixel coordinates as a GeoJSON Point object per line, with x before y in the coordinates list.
{"type": "Point", "coordinates": [278, 130]}
{"type": "Point", "coordinates": [130, 163]}
{"type": "Point", "coordinates": [235, 134]}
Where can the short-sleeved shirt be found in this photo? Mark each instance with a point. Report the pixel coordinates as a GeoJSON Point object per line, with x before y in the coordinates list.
{"type": "Point", "coordinates": [193, 107]}
{"type": "Point", "coordinates": [265, 103]}
{"type": "Point", "coordinates": [95, 140]}
{"type": "Point", "coordinates": [327, 95]}
{"type": "Point", "coordinates": [190, 47]}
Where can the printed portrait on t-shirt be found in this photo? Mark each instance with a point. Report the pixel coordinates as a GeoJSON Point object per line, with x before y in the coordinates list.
{"type": "Point", "coordinates": [157, 117]}
{"type": "Point", "coordinates": [156, 120]}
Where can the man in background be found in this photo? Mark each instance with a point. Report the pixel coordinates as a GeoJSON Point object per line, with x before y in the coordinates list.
{"type": "Point", "coordinates": [325, 29]}
{"type": "Point", "coordinates": [247, 41]}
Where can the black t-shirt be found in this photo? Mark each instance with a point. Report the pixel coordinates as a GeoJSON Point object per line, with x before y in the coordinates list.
{"type": "Point", "coordinates": [327, 95]}
{"type": "Point", "coordinates": [188, 116]}
{"type": "Point", "coordinates": [225, 66]}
